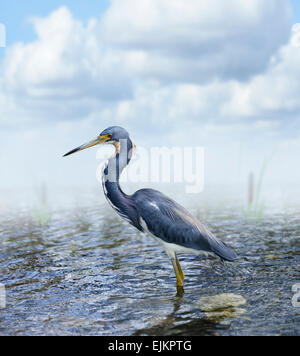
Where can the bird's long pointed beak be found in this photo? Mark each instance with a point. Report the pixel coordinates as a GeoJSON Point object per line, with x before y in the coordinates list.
{"type": "Point", "coordinates": [97, 141]}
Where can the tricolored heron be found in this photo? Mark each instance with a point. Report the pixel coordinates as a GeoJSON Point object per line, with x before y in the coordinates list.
{"type": "Point", "coordinates": [151, 211]}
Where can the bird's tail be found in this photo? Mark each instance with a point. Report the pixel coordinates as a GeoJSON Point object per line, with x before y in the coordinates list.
{"type": "Point", "coordinates": [223, 251]}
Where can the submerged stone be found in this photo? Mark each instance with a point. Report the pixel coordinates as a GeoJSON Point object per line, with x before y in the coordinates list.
{"type": "Point", "coordinates": [222, 306]}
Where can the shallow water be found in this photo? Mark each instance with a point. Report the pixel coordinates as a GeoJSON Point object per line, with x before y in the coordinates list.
{"type": "Point", "coordinates": [83, 271]}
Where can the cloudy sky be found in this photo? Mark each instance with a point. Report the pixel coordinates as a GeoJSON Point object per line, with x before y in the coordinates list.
{"type": "Point", "coordinates": [224, 75]}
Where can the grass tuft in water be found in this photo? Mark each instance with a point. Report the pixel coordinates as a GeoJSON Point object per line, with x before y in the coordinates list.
{"type": "Point", "coordinates": [41, 212]}
{"type": "Point", "coordinates": [256, 205]}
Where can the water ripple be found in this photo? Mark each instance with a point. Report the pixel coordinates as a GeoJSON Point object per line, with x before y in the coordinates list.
{"type": "Point", "coordinates": [85, 272]}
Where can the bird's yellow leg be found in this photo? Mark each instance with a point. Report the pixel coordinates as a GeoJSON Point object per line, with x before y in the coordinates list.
{"type": "Point", "coordinates": [179, 268]}
{"type": "Point", "coordinates": [178, 272]}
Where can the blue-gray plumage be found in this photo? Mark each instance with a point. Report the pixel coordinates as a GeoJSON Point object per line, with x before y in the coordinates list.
{"type": "Point", "coordinates": [172, 223]}
{"type": "Point", "coordinates": [151, 211]}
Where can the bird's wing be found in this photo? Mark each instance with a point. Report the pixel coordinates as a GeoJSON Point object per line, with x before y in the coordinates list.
{"type": "Point", "coordinates": [172, 223]}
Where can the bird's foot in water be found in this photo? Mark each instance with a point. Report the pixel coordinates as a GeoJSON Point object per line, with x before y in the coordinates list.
{"type": "Point", "coordinates": [180, 291]}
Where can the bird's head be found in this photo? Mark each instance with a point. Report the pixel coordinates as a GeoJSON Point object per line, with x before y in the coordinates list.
{"type": "Point", "coordinates": [111, 135]}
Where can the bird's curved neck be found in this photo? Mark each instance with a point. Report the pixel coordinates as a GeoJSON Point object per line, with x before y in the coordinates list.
{"type": "Point", "coordinates": [115, 164]}
{"type": "Point", "coordinates": [112, 172]}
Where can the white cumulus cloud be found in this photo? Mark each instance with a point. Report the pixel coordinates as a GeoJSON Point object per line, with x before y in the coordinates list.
{"type": "Point", "coordinates": [202, 72]}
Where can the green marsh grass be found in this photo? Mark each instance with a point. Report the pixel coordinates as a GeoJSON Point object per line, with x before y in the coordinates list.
{"type": "Point", "coordinates": [256, 204]}
{"type": "Point", "coordinates": [41, 214]}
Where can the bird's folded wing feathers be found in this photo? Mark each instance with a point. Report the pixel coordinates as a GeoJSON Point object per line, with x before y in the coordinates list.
{"type": "Point", "coordinates": [172, 223]}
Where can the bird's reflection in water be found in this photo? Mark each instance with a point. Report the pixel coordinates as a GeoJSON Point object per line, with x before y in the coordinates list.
{"type": "Point", "coordinates": [207, 316]}
{"type": "Point", "coordinates": [181, 323]}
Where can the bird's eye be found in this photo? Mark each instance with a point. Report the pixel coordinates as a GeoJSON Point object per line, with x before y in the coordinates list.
{"type": "Point", "coordinates": [107, 136]}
